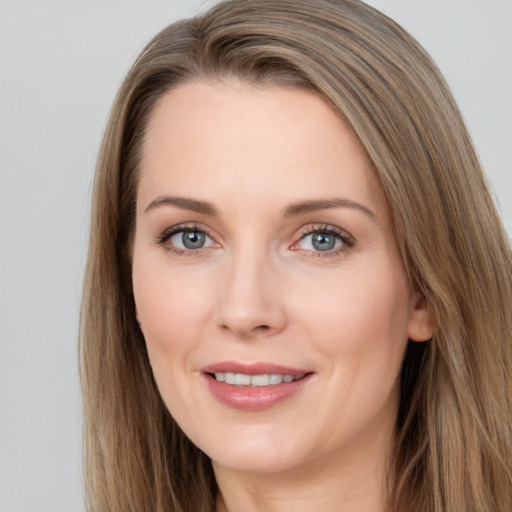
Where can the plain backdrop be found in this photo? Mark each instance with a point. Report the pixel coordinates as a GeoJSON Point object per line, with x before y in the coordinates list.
{"type": "Point", "coordinates": [61, 62]}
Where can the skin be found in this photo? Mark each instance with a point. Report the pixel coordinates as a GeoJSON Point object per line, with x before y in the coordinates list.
{"type": "Point", "coordinates": [259, 290]}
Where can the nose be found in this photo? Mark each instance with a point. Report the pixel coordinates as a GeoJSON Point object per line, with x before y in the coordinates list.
{"type": "Point", "coordinates": [251, 300]}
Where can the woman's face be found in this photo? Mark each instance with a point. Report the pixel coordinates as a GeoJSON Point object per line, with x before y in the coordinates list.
{"type": "Point", "coordinates": [264, 253]}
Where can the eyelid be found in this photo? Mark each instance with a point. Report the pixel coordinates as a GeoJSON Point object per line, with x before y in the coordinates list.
{"type": "Point", "coordinates": [348, 241]}
{"type": "Point", "coordinates": [163, 238]}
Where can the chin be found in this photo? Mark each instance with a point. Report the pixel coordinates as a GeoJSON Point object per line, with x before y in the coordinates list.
{"type": "Point", "coordinates": [256, 463]}
{"type": "Point", "coordinates": [254, 453]}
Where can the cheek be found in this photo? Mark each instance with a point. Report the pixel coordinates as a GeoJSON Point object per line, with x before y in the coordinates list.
{"type": "Point", "coordinates": [171, 309]}
{"type": "Point", "coordinates": [361, 319]}
{"type": "Point", "coordinates": [361, 331]}
{"type": "Point", "coordinates": [357, 298]}
{"type": "Point", "coordinates": [379, 308]}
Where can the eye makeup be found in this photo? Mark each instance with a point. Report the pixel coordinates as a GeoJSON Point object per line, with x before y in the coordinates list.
{"type": "Point", "coordinates": [317, 240]}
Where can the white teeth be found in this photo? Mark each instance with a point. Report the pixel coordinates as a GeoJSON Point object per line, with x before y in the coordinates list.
{"type": "Point", "coordinates": [242, 380]}
{"type": "Point", "coordinates": [260, 380]}
{"type": "Point", "coordinates": [267, 379]}
{"type": "Point", "coordinates": [276, 379]}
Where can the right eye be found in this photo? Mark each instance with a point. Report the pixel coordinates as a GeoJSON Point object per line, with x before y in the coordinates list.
{"type": "Point", "coordinates": [190, 239]}
{"type": "Point", "coordinates": [185, 240]}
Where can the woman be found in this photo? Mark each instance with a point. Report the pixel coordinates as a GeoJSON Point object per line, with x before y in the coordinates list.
{"type": "Point", "coordinates": [298, 289]}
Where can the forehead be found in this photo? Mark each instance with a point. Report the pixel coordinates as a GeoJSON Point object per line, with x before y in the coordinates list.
{"type": "Point", "coordinates": [237, 140]}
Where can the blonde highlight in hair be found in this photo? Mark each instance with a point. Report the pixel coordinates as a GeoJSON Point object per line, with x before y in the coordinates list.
{"type": "Point", "coordinates": [454, 440]}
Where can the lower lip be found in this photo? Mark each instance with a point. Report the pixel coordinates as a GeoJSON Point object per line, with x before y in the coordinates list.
{"type": "Point", "coordinates": [254, 399]}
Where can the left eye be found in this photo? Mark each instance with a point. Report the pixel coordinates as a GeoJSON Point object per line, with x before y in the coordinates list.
{"type": "Point", "coordinates": [320, 241]}
{"type": "Point", "coordinates": [190, 239]}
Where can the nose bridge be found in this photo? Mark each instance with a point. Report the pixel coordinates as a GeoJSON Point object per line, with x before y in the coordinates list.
{"type": "Point", "coordinates": [250, 300]}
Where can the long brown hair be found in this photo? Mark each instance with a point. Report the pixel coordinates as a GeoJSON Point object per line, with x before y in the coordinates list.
{"type": "Point", "coordinates": [453, 440]}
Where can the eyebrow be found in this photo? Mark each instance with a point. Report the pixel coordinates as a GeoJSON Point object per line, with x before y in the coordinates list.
{"type": "Point", "coordinates": [304, 207]}
{"type": "Point", "coordinates": [186, 203]}
{"type": "Point", "coordinates": [294, 210]}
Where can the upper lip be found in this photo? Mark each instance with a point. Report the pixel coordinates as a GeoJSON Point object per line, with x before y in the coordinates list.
{"type": "Point", "coordinates": [257, 368]}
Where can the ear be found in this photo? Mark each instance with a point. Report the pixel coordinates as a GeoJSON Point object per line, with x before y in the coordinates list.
{"type": "Point", "coordinates": [420, 326]}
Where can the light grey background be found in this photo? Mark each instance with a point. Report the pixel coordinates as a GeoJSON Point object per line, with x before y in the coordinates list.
{"type": "Point", "coordinates": [61, 62]}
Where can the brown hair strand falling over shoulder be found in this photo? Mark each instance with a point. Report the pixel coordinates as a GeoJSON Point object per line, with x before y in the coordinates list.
{"type": "Point", "coordinates": [454, 441]}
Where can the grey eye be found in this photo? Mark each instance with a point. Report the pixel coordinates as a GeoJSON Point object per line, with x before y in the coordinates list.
{"type": "Point", "coordinates": [193, 239]}
{"type": "Point", "coordinates": [320, 241]}
{"type": "Point", "coordinates": [190, 239]}
{"type": "Point", "coordinates": [323, 241]}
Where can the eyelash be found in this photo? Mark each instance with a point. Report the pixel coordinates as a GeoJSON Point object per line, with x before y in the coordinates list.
{"type": "Point", "coordinates": [347, 241]}
{"type": "Point", "coordinates": [170, 232]}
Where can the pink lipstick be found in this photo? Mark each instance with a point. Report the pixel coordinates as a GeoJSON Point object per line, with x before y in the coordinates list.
{"type": "Point", "coordinates": [255, 386]}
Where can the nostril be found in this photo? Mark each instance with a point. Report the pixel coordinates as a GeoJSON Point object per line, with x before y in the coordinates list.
{"type": "Point", "coordinates": [248, 333]}
{"type": "Point", "coordinates": [261, 329]}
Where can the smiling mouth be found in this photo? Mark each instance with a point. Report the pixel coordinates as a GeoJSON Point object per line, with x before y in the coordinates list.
{"type": "Point", "coordinates": [255, 381]}
{"type": "Point", "coordinates": [254, 387]}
